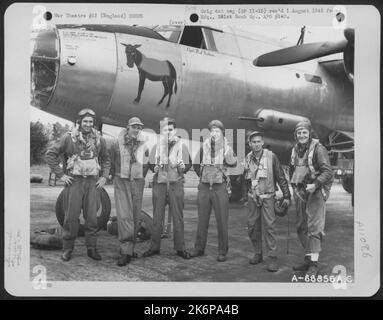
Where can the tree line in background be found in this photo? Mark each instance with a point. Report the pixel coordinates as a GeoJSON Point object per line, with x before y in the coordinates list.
{"type": "Point", "coordinates": [42, 136]}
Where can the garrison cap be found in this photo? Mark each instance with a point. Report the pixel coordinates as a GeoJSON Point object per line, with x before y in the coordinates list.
{"type": "Point", "coordinates": [135, 120]}
{"type": "Point", "coordinates": [253, 134]}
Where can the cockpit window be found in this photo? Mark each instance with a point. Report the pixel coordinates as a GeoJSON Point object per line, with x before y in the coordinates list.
{"type": "Point", "coordinates": [198, 37]}
{"type": "Point", "coordinates": [170, 33]}
{"type": "Point", "coordinates": [225, 43]}
{"type": "Point", "coordinates": [193, 37]}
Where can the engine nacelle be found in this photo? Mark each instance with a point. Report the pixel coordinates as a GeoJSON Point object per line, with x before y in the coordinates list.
{"type": "Point", "coordinates": [278, 121]}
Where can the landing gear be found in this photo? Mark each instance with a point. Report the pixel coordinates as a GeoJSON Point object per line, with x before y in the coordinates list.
{"type": "Point", "coordinates": [348, 185]}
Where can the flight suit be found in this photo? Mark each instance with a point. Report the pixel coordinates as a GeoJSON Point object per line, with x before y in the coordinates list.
{"type": "Point", "coordinates": [260, 177]}
{"type": "Point", "coordinates": [311, 164]}
{"type": "Point", "coordinates": [129, 167]}
{"type": "Point", "coordinates": [213, 192]}
{"type": "Point", "coordinates": [86, 155]}
{"type": "Point", "coordinates": [168, 182]}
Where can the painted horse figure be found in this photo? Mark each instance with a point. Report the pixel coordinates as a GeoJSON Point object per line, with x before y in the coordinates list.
{"type": "Point", "coordinates": [152, 69]}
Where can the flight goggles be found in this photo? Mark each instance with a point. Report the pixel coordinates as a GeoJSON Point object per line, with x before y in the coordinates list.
{"type": "Point", "coordinates": [85, 112]}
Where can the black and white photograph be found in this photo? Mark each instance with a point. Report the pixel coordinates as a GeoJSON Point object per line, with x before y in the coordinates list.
{"type": "Point", "coordinates": [211, 150]}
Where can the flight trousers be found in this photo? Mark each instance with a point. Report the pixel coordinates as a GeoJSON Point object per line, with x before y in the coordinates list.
{"type": "Point", "coordinates": [261, 226]}
{"type": "Point", "coordinates": [176, 206]}
{"type": "Point", "coordinates": [128, 196]}
{"type": "Point", "coordinates": [81, 194]}
{"type": "Point", "coordinates": [310, 217]}
{"type": "Point", "coordinates": [218, 199]}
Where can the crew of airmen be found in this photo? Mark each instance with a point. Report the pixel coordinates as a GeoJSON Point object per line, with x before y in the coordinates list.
{"type": "Point", "coordinates": [88, 164]}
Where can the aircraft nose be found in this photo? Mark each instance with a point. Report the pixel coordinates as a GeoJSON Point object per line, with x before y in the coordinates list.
{"type": "Point", "coordinates": [44, 66]}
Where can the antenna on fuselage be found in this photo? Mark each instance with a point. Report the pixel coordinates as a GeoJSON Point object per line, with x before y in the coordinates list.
{"type": "Point", "coordinates": [302, 36]}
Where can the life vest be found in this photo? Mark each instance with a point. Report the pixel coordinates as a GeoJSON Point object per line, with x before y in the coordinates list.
{"type": "Point", "coordinates": [131, 169]}
{"type": "Point", "coordinates": [213, 169]}
{"type": "Point", "coordinates": [303, 167]}
{"type": "Point", "coordinates": [84, 162]}
{"type": "Point", "coordinates": [168, 161]}
{"type": "Point", "coordinates": [261, 175]}
{"type": "Point", "coordinates": [302, 164]}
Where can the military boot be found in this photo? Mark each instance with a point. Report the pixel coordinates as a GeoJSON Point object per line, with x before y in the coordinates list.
{"type": "Point", "coordinates": [123, 260]}
{"type": "Point", "coordinates": [92, 253]}
{"type": "Point", "coordinates": [313, 269]}
{"type": "Point", "coordinates": [67, 255]}
{"type": "Point", "coordinates": [303, 266]}
{"type": "Point", "coordinates": [257, 258]}
{"type": "Point", "coordinates": [196, 253]}
{"type": "Point", "coordinates": [273, 265]}
{"type": "Point", "coordinates": [183, 254]}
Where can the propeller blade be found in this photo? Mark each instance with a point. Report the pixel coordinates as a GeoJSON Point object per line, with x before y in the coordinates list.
{"type": "Point", "coordinates": [350, 35]}
{"type": "Point", "coordinates": [300, 53]}
{"type": "Point", "coordinates": [348, 55]}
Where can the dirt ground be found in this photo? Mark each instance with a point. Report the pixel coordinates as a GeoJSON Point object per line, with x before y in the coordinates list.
{"type": "Point", "coordinates": [337, 249]}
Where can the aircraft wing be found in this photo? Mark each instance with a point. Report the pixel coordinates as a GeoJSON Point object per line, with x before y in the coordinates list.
{"type": "Point", "coordinates": [309, 51]}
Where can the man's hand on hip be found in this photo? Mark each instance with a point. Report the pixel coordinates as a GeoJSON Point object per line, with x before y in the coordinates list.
{"type": "Point", "coordinates": [66, 179]}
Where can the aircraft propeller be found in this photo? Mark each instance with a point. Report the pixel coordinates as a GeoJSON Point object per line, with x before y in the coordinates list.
{"type": "Point", "coordinates": [305, 52]}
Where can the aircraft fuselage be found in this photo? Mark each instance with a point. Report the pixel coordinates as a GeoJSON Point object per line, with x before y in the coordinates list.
{"type": "Point", "coordinates": [95, 69]}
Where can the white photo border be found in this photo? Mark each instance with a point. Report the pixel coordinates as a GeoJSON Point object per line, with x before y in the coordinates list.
{"type": "Point", "coordinates": [17, 27]}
